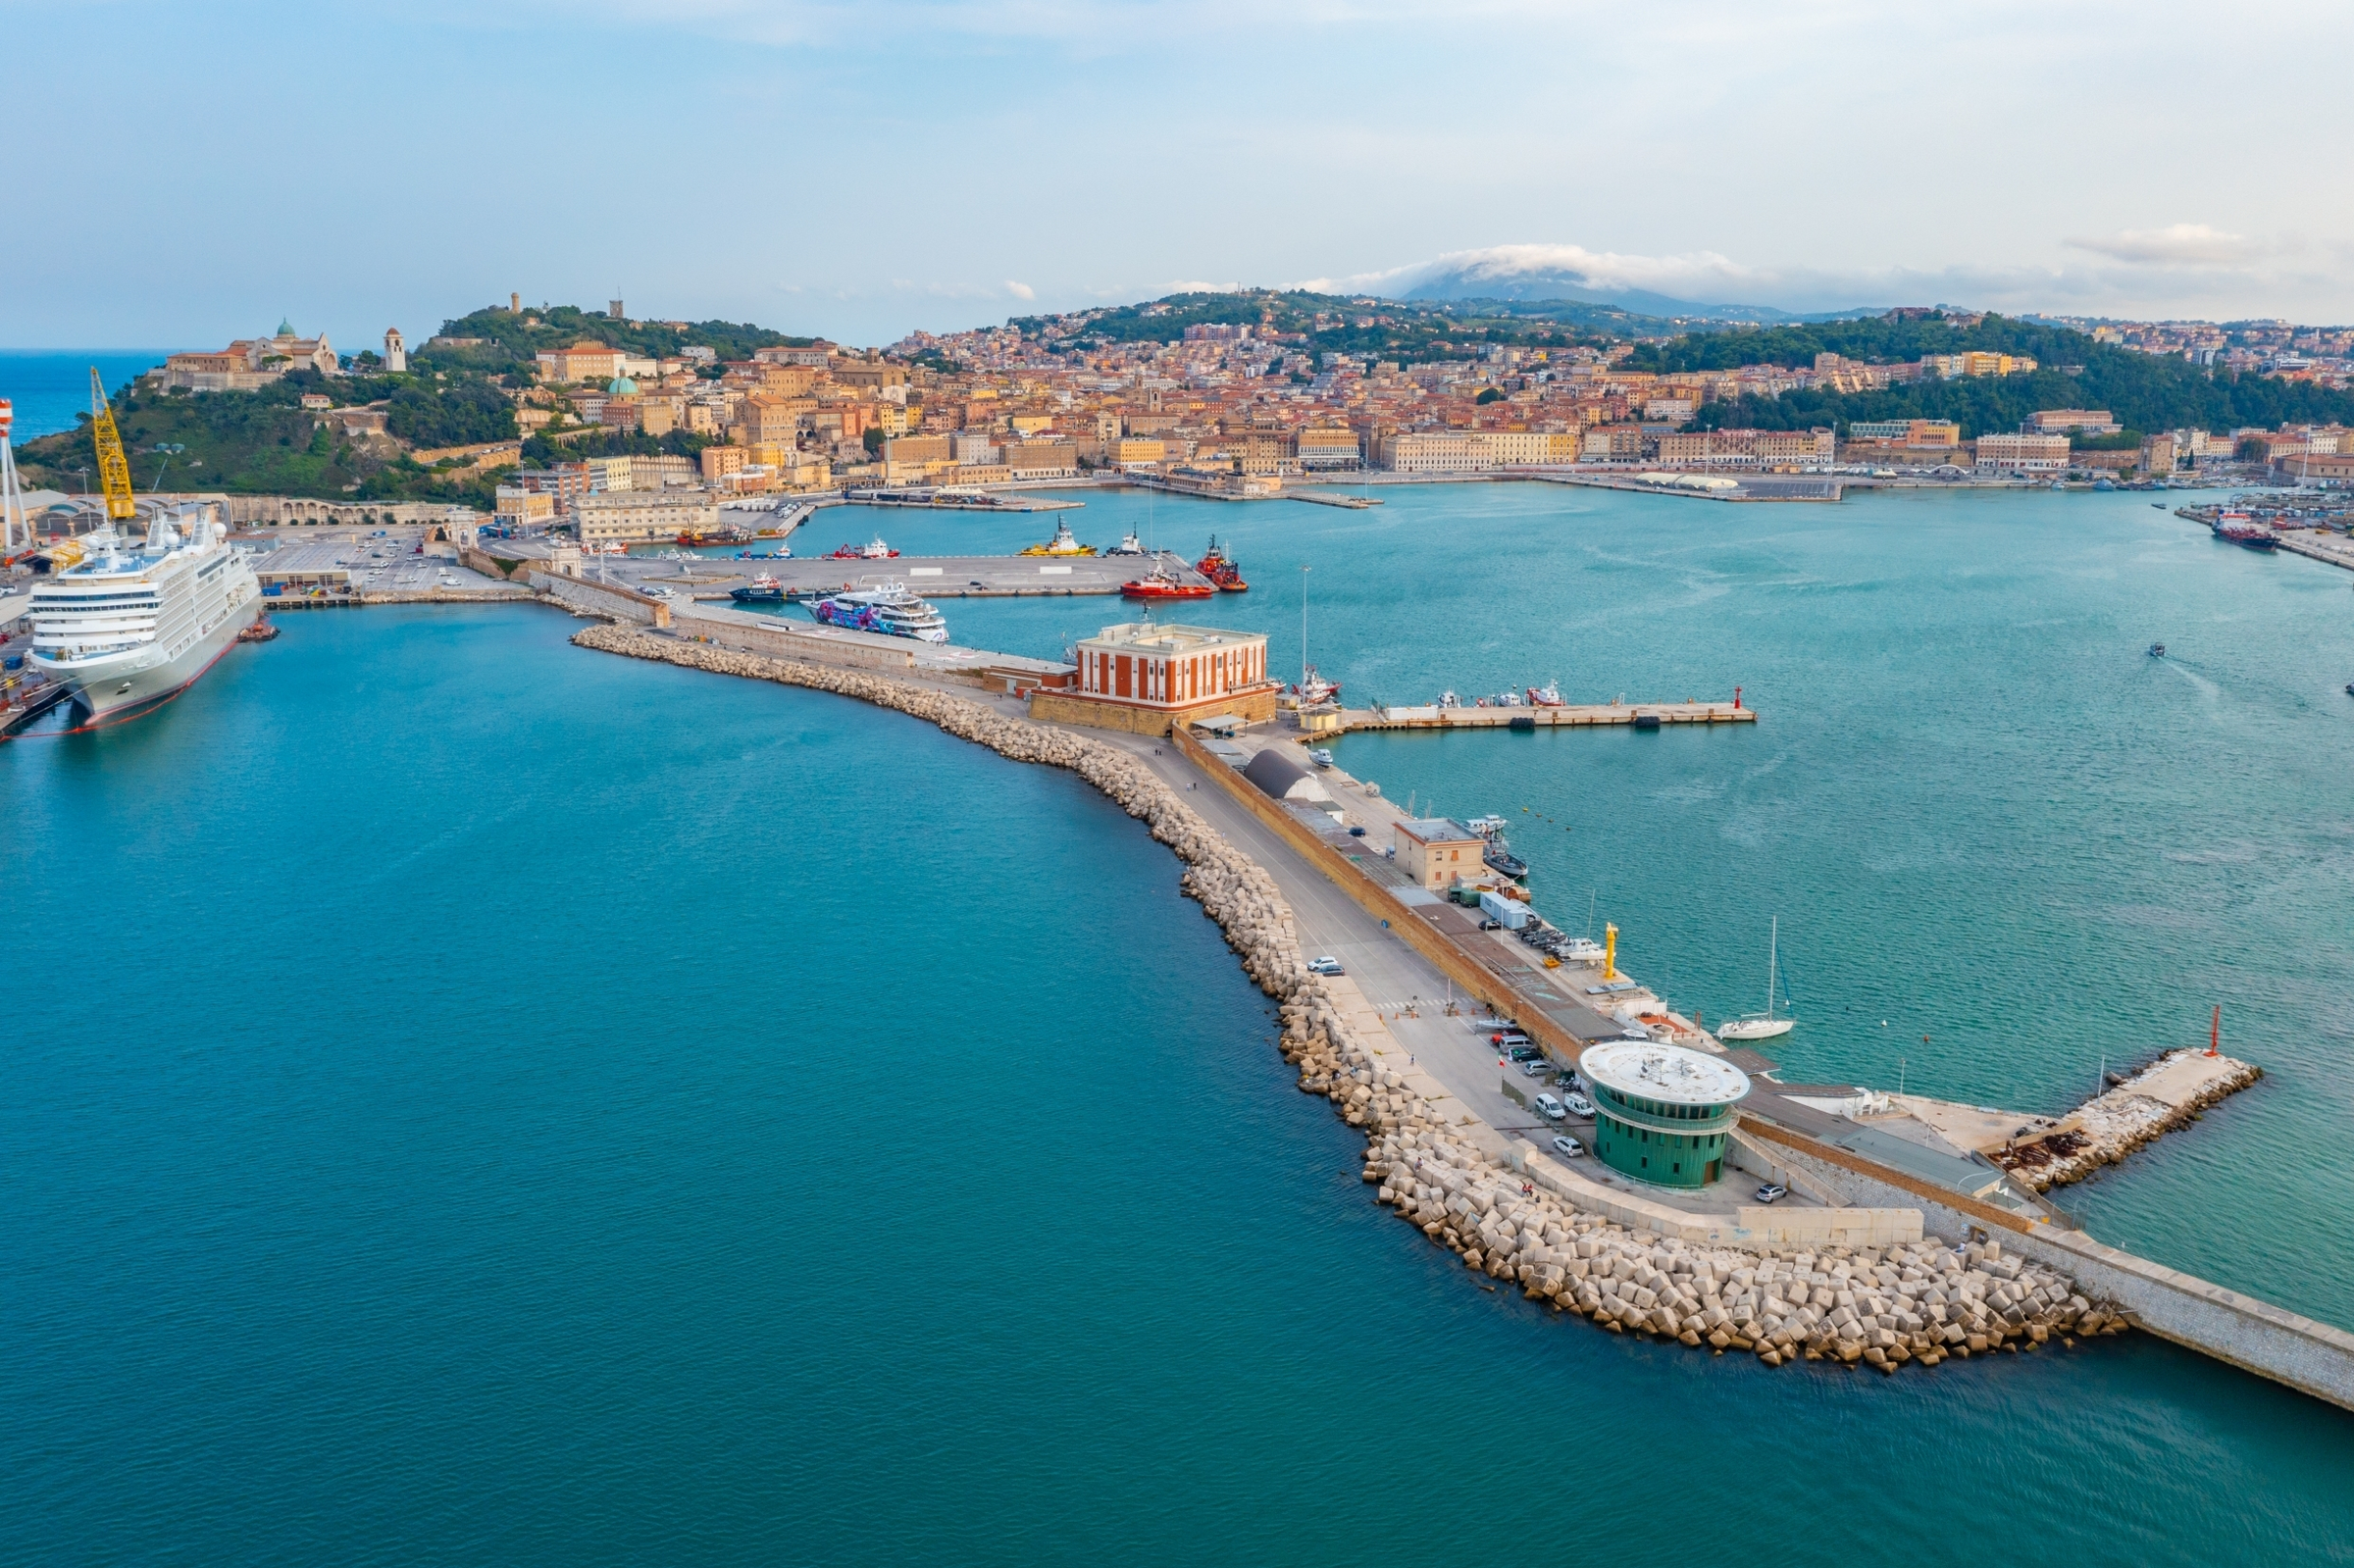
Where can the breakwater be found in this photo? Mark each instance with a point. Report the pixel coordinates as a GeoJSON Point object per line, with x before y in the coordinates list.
{"type": "Point", "coordinates": [1883, 1306]}
{"type": "Point", "coordinates": [2140, 1109]}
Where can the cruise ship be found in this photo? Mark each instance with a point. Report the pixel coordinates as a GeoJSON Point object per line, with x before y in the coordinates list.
{"type": "Point", "coordinates": [127, 627]}
{"type": "Point", "coordinates": [889, 608]}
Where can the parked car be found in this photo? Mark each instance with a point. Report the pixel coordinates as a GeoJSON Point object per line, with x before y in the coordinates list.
{"type": "Point", "coordinates": [1568, 1146]}
{"type": "Point", "coordinates": [1325, 966]}
{"type": "Point", "coordinates": [1524, 1053]}
{"type": "Point", "coordinates": [1491, 924]}
{"type": "Point", "coordinates": [1509, 1036]}
{"type": "Point", "coordinates": [1773, 1192]}
{"type": "Point", "coordinates": [1549, 1107]}
{"type": "Point", "coordinates": [1579, 1104]}
{"type": "Point", "coordinates": [1356, 833]}
{"type": "Point", "coordinates": [1537, 1068]}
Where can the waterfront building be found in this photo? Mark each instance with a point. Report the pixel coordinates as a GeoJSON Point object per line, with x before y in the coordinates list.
{"type": "Point", "coordinates": [1146, 676]}
{"type": "Point", "coordinates": [1661, 1112]}
{"type": "Point", "coordinates": [1937, 434]}
{"type": "Point", "coordinates": [1998, 453]}
{"type": "Point", "coordinates": [519, 508]}
{"type": "Point", "coordinates": [645, 517]}
{"type": "Point", "coordinates": [1434, 851]}
{"type": "Point", "coordinates": [1323, 446]}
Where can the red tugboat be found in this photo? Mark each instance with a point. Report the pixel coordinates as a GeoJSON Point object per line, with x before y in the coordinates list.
{"type": "Point", "coordinates": [1219, 568]}
{"type": "Point", "coordinates": [1163, 584]}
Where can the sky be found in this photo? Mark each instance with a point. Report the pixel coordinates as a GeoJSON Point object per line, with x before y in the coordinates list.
{"type": "Point", "coordinates": [181, 174]}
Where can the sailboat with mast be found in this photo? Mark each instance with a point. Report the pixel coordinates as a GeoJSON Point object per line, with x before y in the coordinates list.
{"type": "Point", "coordinates": [1765, 1024]}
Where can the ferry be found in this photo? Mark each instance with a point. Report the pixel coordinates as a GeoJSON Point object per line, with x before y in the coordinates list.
{"type": "Point", "coordinates": [1217, 566]}
{"type": "Point", "coordinates": [1065, 543]}
{"type": "Point", "coordinates": [123, 631]}
{"type": "Point", "coordinates": [762, 589]}
{"type": "Point", "coordinates": [888, 608]}
{"type": "Point", "coordinates": [874, 550]}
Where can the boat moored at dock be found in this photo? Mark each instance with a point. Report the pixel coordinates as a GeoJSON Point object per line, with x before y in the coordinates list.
{"type": "Point", "coordinates": [762, 589]}
{"type": "Point", "coordinates": [888, 608]}
{"type": "Point", "coordinates": [126, 630]}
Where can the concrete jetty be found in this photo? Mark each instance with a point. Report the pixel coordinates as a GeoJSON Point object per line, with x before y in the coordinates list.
{"type": "Point", "coordinates": [1639, 715]}
{"type": "Point", "coordinates": [1992, 1277]}
{"type": "Point", "coordinates": [934, 576]}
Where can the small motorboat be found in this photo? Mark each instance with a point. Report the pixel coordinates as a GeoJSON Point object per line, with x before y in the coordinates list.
{"type": "Point", "coordinates": [1448, 699]}
{"type": "Point", "coordinates": [2156, 650]}
{"type": "Point", "coordinates": [1321, 756]}
{"type": "Point", "coordinates": [1503, 861]}
{"type": "Point", "coordinates": [2350, 684]}
{"type": "Point", "coordinates": [1548, 695]}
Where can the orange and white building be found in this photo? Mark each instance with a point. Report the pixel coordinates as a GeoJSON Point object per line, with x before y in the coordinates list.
{"type": "Point", "coordinates": [1146, 676]}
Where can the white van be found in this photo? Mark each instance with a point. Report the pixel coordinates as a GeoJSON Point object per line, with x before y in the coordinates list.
{"type": "Point", "coordinates": [1550, 1108]}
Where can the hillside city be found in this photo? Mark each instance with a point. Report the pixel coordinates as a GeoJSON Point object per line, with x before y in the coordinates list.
{"type": "Point", "coordinates": [622, 429]}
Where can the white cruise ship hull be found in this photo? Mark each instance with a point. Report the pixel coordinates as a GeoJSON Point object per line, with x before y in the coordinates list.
{"type": "Point", "coordinates": [127, 630]}
{"type": "Point", "coordinates": [128, 684]}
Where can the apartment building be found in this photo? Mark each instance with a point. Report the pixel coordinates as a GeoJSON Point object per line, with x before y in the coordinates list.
{"type": "Point", "coordinates": [2091, 420]}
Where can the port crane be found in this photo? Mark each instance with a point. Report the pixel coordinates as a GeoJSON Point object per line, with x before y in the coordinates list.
{"type": "Point", "coordinates": [114, 467]}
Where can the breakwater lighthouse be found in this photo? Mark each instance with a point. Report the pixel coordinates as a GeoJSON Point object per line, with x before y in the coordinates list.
{"type": "Point", "coordinates": [1661, 1112]}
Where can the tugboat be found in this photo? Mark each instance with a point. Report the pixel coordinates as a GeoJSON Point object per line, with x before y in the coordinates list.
{"type": "Point", "coordinates": [876, 551]}
{"type": "Point", "coordinates": [1065, 543]}
{"type": "Point", "coordinates": [262, 631]}
{"type": "Point", "coordinates": [1221, 569]}
{"type": "Point", "coordinates": [762, 589]}
{"type": "Point", "coordinates": [1162, 583]}
{"type": "Point", "coordinates": [1129, 544]}
{"type": "Point", "coordinates": [1314, 688]}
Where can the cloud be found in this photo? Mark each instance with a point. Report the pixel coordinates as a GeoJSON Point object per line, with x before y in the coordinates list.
{"type": "Point", "coordinates": [1702, 271]}
{"type": "Point", "coordinates": [2175, 246]}
{"type": "Point", "coordinates": [1020, 291]}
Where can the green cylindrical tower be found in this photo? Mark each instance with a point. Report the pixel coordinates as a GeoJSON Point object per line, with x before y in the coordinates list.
{"type": "Point", "coordinates": [1660, 1112]}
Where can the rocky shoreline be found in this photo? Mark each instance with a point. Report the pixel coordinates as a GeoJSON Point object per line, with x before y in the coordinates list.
{"type": "Point", "coordinates": [1876, 1306]}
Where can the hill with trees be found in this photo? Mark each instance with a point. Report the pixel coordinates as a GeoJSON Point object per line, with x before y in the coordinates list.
{"type": "Point", "coordinates": [2144, 391]}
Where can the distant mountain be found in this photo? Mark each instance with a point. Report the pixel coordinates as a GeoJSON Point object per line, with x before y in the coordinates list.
{"type": "Point", "coordinates": [1482, 280]}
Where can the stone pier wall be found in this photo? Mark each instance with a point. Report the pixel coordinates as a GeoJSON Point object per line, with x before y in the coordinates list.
{"type": "Point", "coordinates": [1845, 1300]}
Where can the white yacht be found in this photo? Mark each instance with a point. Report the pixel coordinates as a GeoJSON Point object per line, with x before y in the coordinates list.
{"type": "Point", "coordinates": [126, 629]}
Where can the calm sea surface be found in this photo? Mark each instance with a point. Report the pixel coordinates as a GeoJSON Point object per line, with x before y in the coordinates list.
{"type": "Point", "coordinates": [49, 389]}
{"type": "Point", "coordinates": [471, 1101]}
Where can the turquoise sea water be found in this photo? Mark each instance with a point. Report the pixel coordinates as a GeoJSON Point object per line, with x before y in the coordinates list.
{"type": "Point", "coordinates": [49, 388]}
{"type": "Point", "coordinates": [480, 1102]}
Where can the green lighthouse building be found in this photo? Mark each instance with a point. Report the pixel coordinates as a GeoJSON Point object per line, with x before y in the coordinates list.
{"type": "Point", "coordinates": [1661, 1112]}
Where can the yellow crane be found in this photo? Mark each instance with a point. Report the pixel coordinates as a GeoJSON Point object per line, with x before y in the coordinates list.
{"type": "Point", "coordinates": [114, 467]}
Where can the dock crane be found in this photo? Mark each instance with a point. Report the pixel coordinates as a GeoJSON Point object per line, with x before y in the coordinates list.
{"type": "Point", "coordinates": [114, 467]}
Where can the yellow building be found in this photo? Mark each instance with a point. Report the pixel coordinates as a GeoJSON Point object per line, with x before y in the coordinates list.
{"type": "Point", "coordinates": [1435, 851]}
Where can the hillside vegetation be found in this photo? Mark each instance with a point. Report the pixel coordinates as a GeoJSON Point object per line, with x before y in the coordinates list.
{"type": "Point", "coordinates": [2145, 391]}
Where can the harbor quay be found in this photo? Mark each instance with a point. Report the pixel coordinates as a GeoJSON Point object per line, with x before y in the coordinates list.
{"type": "Point", "coordinates": [1889, 1245]}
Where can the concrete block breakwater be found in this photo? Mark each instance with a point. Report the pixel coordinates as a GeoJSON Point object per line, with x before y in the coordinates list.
{"type": "Point", "coordinates": [1880, 1306]}
{"type": "Point", "coordinates": [1877, 1305]}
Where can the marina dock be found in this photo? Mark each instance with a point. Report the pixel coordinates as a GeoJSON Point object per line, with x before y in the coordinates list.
{"type": "Point", "coordinates": [1636, 715]}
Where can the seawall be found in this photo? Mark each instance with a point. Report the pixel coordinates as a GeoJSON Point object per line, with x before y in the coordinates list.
{"type": "Point", "coordinates": [1858, 1290]}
